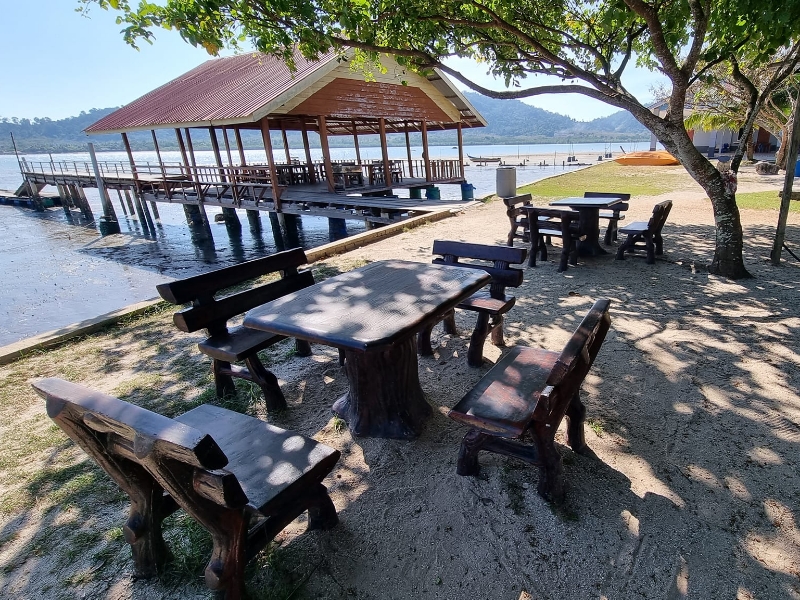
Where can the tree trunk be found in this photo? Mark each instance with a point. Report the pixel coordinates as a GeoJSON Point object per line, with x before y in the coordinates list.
{"type": "Point", "coordinates": [780, 154]}
{"type": "Point", "coordinates": [728, 261]}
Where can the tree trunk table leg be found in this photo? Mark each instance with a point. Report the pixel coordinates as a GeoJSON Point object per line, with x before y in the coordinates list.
{"type": "Point", "coordinates": [589, 225]}
{"type": "Point", "coordinates": [385, 397]}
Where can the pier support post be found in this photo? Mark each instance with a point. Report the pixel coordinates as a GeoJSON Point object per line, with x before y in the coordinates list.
{"type": "Point", "coordinates": [254, 218]}
{"type": "Point", "coordinates": [198, 226]}
{"type": "Point", "coordinates": [155, 209]}
{"type": "Point", "coordinates": [144, 214]}
{"type": "Point", "coordinates": [85, 208]}
{"type": "Point", "coordinates": [291, 227]}
{"type": "Point", "coordinates": [122, 202]}
{"type": "Point", "coordinates": [64, 198]}
{"type": "Point", "coordinates": [231, 218]}
{"type": "Point", "coordinates": [337, 229]}
{"type": "Point", "coordinates": [129, 201]}
{"type": "Point", "coordinates": [277, 233]}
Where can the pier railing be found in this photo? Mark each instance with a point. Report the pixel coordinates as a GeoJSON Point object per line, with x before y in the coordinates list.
{"type": "Point", "coordinates": [211, 181]}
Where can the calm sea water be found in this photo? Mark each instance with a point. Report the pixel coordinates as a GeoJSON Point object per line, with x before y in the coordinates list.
{"type": "Point", "coordinates": [56, 270]}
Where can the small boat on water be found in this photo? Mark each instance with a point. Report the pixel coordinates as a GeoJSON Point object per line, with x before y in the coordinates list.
{"type": "Point", "coordinates": [484, 159]}
{"type": "Point", "coordinates": [658, 158]}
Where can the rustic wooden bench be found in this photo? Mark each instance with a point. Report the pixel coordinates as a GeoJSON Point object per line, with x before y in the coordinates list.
{"type": "Point", "coordinates": [527, 394]}
{"type": "Point", "coordinates": [548, 223]}
{"type": "Point", "coordinates": [226, 345]}
{"type": "Point", "coordinates": [518, 218]}
{"type": "Point", "coordinates": [614, 216]}
{"type": "Point", "coordinates": [490, 304]}
{"type": "Point", "coordinates": [242, 479]}
{"type": "Point", "coordinates": [646, 236]}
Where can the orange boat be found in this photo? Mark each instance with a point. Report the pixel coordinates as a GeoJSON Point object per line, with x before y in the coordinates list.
{"type": "Point", "coordinates": [659, 158]}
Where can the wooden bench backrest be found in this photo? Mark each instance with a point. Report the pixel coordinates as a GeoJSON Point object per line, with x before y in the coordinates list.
{"type": "Point", "coordinates": [211, 313]}
{"type": "Point", "coordinates": [124, 439]}
{"type": "Point", "coordinates": [573, 364]}
{"type": "Point", "coordinates": [500, 257]}
{"type": "Point", "coordinates": [617, 207]}
{"type": "Point", "coordinates": [659, 217]}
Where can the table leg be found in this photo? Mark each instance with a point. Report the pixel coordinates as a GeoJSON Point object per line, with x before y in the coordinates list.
{"type": "Point", "coordinates": [385, 397]}
{"type": "Point", "coordinates": [589, 225]}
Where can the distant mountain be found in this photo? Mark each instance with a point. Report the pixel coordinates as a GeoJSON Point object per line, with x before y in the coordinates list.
{"type": "Point", "coordinates": [509, 122]}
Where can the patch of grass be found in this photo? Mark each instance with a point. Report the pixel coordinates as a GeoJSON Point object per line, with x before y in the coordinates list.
{"type": "Point", "coordinates": [277, 573]}
{"type": "Point", "coordinates": [764, 201]}
{"type": "Point", "coordinates": [144, 389]}
{"type": "Point", "coordinates": [596, 426]}
{"type": "Point", "coordinates": [605, 177]}
{"type": "Point", "coordinates": [339, 424]}
{"type": "Point", "coordinates": [191, 547]}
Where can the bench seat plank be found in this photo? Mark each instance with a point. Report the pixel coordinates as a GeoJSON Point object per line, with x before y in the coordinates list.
{"type": "Point", "coordinates": [482, 301]}
{"type": "Point", "coordinates": [505, 399]}
{"type": "Point", "coordinates": [238, 343]}
{"type": "Point", "coordinates": [268, 461]}
{"type": "Point", "coordinates": [635, 227]}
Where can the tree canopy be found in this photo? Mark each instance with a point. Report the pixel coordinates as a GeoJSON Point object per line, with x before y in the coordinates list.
{"type": "Point", "coordinates": [587, 44]}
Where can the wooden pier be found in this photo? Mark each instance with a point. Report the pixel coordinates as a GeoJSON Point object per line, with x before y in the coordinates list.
{"type": "Point", "coordinates": [364, 196]}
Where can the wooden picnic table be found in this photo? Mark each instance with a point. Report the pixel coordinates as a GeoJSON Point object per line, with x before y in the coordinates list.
{"type": "Point", "coordinates": [374, 313]}
{"type": "Point", "coordinates": [588, 221]}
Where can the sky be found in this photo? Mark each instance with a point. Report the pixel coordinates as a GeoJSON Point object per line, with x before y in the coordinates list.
{"type": "Point", "coordinates": [56, 63]}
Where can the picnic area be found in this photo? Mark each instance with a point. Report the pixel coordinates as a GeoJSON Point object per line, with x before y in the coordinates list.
{"type": "Point", "coordinates": [690, 487]}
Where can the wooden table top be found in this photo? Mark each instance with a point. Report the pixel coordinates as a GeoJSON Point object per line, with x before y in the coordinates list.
{"type": "Point", "coordinates": [580, 202]}
{"type": "Point", "coordinates": [370, 307]}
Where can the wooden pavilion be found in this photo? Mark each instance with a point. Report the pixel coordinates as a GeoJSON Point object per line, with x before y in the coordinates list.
{"type": "Point", "coordinates": [327, 97]}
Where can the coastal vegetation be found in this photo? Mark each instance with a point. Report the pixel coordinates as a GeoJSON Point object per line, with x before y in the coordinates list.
{"type": "Point", "coordinates": [510, 122]}
{"type": "Point", "coordinates": [586, 45]}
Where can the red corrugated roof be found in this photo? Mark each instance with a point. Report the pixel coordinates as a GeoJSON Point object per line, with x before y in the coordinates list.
{"type": "Point", "coordinates": [218, 90]}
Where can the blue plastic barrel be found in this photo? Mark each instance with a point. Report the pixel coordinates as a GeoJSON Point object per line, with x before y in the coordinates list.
{"type": "Point", "coordinates": [432, 193]}
{"type": "Point", "coordinates": [797, 169]}
{"type": "Point", "coordinates": [467, 190]}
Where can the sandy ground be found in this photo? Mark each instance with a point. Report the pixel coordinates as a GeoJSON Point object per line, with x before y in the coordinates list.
{"type": "Point", "coordinates": [694, 416]}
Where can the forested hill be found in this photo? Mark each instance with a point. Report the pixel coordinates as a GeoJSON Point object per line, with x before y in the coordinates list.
{"type": "Point", "coordinates": [510, 122]}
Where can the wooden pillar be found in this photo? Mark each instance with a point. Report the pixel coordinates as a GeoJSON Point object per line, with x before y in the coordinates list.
{"type": "Point", "coordinates": [122, 202]}
{"type": "Point", "coordinates": [408, 151]}
{"type": "Point", "coordinates": [158, 151]}
{"type": "Point", "coordinates": [387, 167]}
{"type": "Point", "coordinates": [238, 135]}
{"type": "Point", "coordinates": [285, 144]}
{"type": "Point", "coordinates": [355, 142]}
{"type": "Point", "coordinates": [326, 151]}
{"type": "Point", "coordinates": [182, 148]}
{"type": "Point", "coordinates": [190, 147]}
{"type": "Point", "coordinates": [231, 218]}
{"type": "Point", "coordinates": [212, 134]}
{"type": "Point", "coordinates": [141, 209]}
{"type": "Point", "coordinates": [425, 153]}
{"type": "Point", "coordinates": [163, 173]}
{"type": "Point", "coordinates": [227, 146]}
{"type": "Point", "coordinates": [460, 151]}
{"type": "Point", "coordinates": [85, 208]}
{"type": "Point", "coordinates": [273, 174]}
{"type": "Point", "coordinates": [144, 216]}
{"type": "Point", "coordinates": [129, 201]}
{"type": "Point", "coordinates": [312, 172]}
